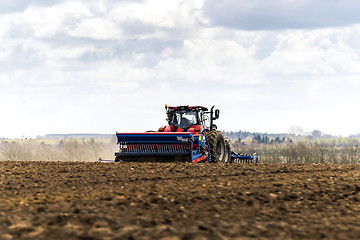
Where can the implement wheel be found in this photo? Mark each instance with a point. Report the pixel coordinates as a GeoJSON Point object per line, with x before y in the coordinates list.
{"type": "Point", "coordinates": [217, 146]}
{"type": "Point", "coordinates": [117, 159]}
{"type": "Point", "coordinates": [227, 151]}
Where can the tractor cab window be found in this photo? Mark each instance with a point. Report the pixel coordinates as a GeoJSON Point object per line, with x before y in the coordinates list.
{"type": "Point", "coordinates": [183, 119]}
{"type": "Point", "coordinates": [205, 119]}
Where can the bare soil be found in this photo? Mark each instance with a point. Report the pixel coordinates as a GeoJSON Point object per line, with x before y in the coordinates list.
{"type": "Point", "coordinates": [73, 200]}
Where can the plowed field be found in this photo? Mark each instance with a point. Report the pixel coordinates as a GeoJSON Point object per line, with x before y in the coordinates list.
{"type": "Point", "coordinates": [57, 200]}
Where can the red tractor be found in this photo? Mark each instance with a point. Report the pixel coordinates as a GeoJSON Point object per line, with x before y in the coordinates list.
{"type": "Point", "coordinates": [190, 135]}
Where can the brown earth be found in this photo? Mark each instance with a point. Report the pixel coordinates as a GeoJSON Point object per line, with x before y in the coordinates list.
{"type": "Point", "coordinates": [72, 200]}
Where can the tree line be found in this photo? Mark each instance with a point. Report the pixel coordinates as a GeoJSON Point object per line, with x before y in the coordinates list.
{"type": "Point", "coordinates": [290, 148]}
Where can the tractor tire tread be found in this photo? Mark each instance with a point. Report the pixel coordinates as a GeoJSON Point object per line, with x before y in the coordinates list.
{"type": "Point", "coordinates": [214, 138]}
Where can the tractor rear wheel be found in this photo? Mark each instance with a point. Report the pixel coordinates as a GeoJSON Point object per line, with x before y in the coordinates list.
{"type": "Point", "coordinates": [217, 146]}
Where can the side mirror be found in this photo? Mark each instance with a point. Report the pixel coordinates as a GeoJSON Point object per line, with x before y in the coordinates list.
{"type": "Point", "coordinates": [217, 114]}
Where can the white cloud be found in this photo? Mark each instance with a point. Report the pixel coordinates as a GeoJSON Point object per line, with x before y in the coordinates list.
{"type": "Point", "coordinates": [4, 54]}
{"type": "Point", "coordinates": [211, 60]}
{"type": "Point", "coordinates": [44, 21]}
{"type": "Point", "coordinates": [317, 52]}
{"type": "Point", "coordinates": [95, 28]}
{"type": "Point", "coordinates": [157, 13]}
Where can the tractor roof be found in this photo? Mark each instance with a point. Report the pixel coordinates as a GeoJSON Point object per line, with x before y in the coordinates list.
{"type": "Point", "coordinates": [187, 107]}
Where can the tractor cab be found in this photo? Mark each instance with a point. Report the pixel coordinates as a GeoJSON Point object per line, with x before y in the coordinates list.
{"type": "Point", "coordinates": [185, 119]}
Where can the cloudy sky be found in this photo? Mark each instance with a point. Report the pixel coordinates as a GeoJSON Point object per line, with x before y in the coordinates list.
{"type": "Point", "coordinates": [101, 66]}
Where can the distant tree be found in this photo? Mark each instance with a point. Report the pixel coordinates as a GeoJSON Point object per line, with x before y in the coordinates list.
{"type": "Point", "coordinates": [95, 147]}
{"type": "Point", "coordinates": [316, 134]}
{"type": "Point", "coordinates": [297, 130]}
{"type": "Point", "coordinates": [258, 138]}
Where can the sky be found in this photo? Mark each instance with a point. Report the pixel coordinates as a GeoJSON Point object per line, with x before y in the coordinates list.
{"type": "Point", "coordinates": [101, 66]}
